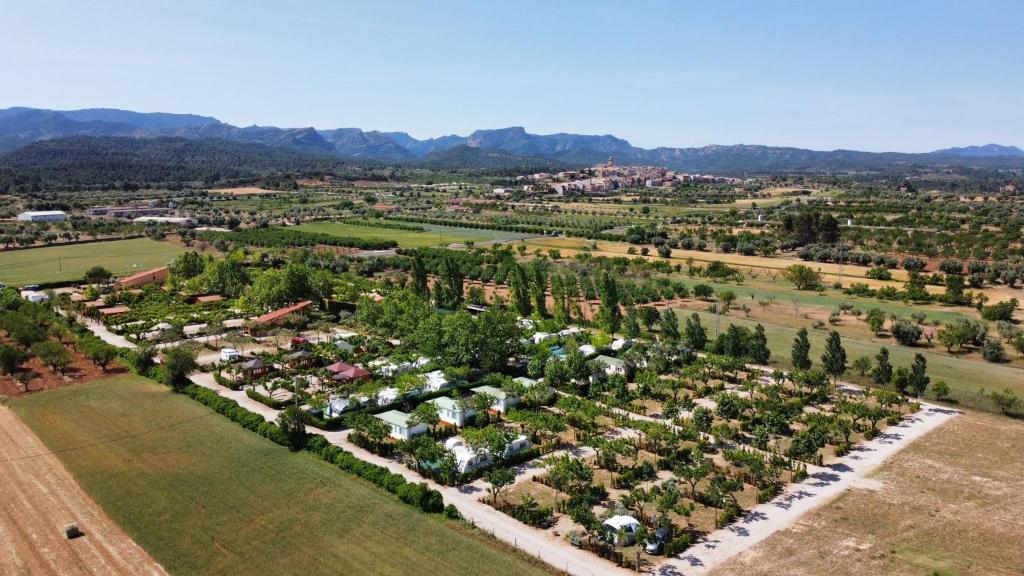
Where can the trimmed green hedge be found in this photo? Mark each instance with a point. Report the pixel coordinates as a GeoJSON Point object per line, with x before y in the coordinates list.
{"type": "Point", "coordinates": [415, 494]}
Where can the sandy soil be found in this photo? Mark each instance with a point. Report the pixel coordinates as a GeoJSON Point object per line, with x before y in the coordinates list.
{"type": "Point", "coordinates": [40, 497]}
{"type": "Point", "coordinates": [952, 503]}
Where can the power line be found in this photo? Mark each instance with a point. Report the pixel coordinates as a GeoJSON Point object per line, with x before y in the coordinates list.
{"type": "Point", "coordinates": [110, 440]}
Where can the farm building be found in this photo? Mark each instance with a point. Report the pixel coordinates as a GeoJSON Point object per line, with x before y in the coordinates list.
{"type": "Point", "coordinates": [143, 278]}
{"type": "Point", "coordinates": [43, 216]}
{"type": "Point", "coordinates": [399, 423]}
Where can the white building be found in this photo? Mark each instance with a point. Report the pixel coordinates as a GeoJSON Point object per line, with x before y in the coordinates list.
{"type": "Point", "coordinates": [503, 401]}
{"type": "Point", "coordinates": [467, 459]}
{"type": "Point", "coordinates": [34, 296]}
{"type": "Point", "coordinates": [449, 411]}
{"type": "Point", "coordinates": [43, 216]}
{"type": "Point", "coordinates": [399, 423]}
{"type": "Point", "coordinates": [176, 220]}
{"type": "Point", "coordinates": [611, 365]}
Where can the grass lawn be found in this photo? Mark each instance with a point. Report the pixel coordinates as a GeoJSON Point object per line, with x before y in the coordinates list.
{"type": "Point", "coordinates": [204, 496]}
{"type": "Point", "coordinates": [965, 377]}
{"type": "Point", "coordinates": [432, 234]}
{"type": "Point", "coordinates": [60, 263]}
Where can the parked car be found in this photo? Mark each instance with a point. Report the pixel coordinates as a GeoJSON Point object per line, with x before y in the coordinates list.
{"type": "Point", "coordinates": [656, 541]}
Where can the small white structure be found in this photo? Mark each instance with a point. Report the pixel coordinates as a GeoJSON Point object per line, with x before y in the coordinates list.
{"type": "Point", "coordinates": [570, 331]}
{"type": "Point", "coordinates": [449, 411]}
{"type": "Point", "coordinates": [539, 337]}
{"type": "Point", "coordinates": [399, 423]}
{"type": "Point", "coordinates": [611, 365]}
{"type": "Point", "coordinates": [229, 355]}
{"type": "Point", "coordinates": [503, 401]}
{"type": "Point", "coordinates": [34, 296]}
{"type": "Point", "coordinates": [621, 529]}
{"type": "Point", "coordinates": [587, 350]}
{"type": "Point", "coordinates": [176, 220]}
{"type": "Point", "coordinates": [622, 344]}
{"type": "Point", "coordinates": [467, 459]}
{"type": "Point", "coordinates": [436, 380]}
{"type": "Point", "coordinates": [43, 216]}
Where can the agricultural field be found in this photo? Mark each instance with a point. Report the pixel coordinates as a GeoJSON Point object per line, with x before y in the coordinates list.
{"type": "Point", "coordinates": [432, 234]}
{"type": "Point", "coordinates": [40, 499]}
{"type": "Point", "coordinates": [180, 480]}
{"type": "Point", "coordinates": [69, 263]}
{"type": "Point", "coordinates": [951, 504]}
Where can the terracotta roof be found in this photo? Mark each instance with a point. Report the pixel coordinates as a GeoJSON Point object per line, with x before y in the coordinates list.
{"type": "Point", "coordinates": [114, 310]}
{"type": "Point", "coordinates": [141, 275]}
{"type": "Point", "coordinates": [271, 316]}
{"type": "Point", "coordinates": [345, 371]}
{"type": "Point", "coordinates": [209, 298]}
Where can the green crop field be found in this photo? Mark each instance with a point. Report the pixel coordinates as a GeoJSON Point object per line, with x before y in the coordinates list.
{"type": "Point", "coordinates": [61, 263]}
{"type": "Point", "coordinates": [965, 377]}
{"type": "Point", "coordinates": [432, 234]}
{"type": "Point", "coordinates": [204, 496]}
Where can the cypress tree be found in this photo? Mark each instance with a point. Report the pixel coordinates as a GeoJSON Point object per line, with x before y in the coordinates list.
{"type": "Point", "coordinates": [834, 358]}
{"type": "Point", "coordinates": [801, 354]}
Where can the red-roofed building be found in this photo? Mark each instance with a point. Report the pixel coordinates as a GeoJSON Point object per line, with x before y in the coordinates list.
{"type": "Point", "coordinates": [277, 316]}
{"type": "Point", "coordinates": [348, 373]}
{"type": "Point", "coordinates": [142, 278]}
{"type": "Point", "coordinates": [114, 310]}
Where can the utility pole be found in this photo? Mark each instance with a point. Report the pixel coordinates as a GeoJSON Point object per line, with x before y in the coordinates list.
{"type": "Point", "coordinates": [718, 316]}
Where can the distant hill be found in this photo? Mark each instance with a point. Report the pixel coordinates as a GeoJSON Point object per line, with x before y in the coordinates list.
{"type": "Point", "coordinates": [94, 161]}
{"type": "Point", "coordinates": [490, 160]}
{"type": "Point", "coordinates": [982, 151]}
{"type": "Point", "coordinates": [511, 146]}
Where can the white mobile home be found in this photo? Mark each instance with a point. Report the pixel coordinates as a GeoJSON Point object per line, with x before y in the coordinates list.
{"type": "Point", "coordinates": [400, 427]}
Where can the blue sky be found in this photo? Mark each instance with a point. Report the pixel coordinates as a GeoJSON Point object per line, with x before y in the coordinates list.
{"type": "Point", "coordinates": [897, 75]}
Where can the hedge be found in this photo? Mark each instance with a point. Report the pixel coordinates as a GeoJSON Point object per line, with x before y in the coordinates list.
{"type": "Point", "coordinates": [419, 495]}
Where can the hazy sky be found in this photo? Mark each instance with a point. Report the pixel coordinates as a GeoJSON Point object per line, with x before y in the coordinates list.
{"type": "Point", "coordinates": [887, 75]}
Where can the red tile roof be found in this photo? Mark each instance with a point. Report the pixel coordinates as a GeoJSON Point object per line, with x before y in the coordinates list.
{"type": "Point", "coordinates": [141, 275]}
{"type": "Point", "coordinates": [345, 371]}
{"type": "Point", "coordinates": [271, 316]}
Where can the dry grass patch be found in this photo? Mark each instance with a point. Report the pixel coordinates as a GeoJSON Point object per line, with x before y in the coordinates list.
{"type": "Point", "coordinates": [952, 503]}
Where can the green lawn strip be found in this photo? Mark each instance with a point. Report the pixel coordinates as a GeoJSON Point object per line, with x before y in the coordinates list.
{"type": "Point", "coordinates": [432, 234]}
{"type": "Point", "coordinates": [63, 263]}
{"type": "Point", "coordinates": [205, 496]}
{"type": "Point", "coordinates": [965, 377]}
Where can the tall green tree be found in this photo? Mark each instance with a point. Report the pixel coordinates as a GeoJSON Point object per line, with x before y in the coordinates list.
{"type": "Point", "coordinates": [519, 289]}
{"type": "Point", "coordinates": [834, 357]}
{"type": "Point", "coordinates": [758, 346]}
{"type": "Point", "coordinates": [539, 286]}
{"type": "Point", "coordinates": [696, 335]}
{"type": "Point", "coordinates": [919, 380]}
{"type": "Point", "coordinates": [610, 315]}
{"type": "Point", "coordinates": [419, 277]}
{"type": "Point", "coordinates": [669, 326]}
{"type": "Point", "coordinates": [801, 354]}
{"type": "Point", "coordinates": [882, 374]}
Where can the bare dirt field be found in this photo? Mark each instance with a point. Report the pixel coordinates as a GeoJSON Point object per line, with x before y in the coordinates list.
{"type": "Point", "coordinates": [950, 504]}
{"type": "Point", "coordinates": [39, 498]}
{"type": "Point", "coordinates": [39, 377]}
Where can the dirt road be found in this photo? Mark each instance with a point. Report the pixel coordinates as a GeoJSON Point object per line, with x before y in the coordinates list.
{"type": "Point", "coordinates": [39, 497]}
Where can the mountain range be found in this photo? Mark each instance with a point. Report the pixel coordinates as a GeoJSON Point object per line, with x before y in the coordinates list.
{"type": "Point", "coordinates": [23, 126]}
